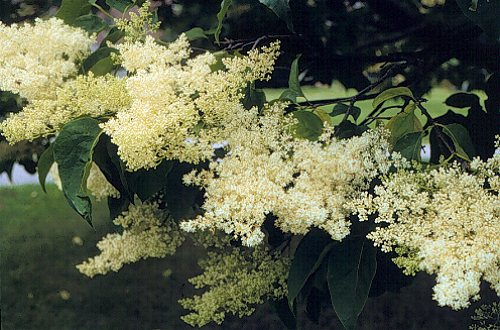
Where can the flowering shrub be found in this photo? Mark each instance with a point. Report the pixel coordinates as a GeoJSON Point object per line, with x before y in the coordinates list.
{"type": "Point", "coordinates": [185, 147]}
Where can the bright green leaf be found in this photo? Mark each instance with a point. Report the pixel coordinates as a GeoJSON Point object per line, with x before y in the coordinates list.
{"type": "Point", "coordinates": [391, 93]}
{"type": "Point", "coordinates": [73, 149]}
{"type": "Point", "coordinates": [309, 125]}
{"type": "Point", "coordinates": [224, 7]}
{"type": "Point", "coordinates": [196, 33]}
{"type": "Point", "coordinates": [307, 259]}
{"type": "Point", "coordinates": [351, 267]}
{"type": "Point", "coordinates": [282, 9]}
{"type": "Point", "coordinates": [70, 10]}
{"type": "Point", "coordinates": [103, 66]}
{"type": "Point", "coordinates": [90, 23]}
{"type": "Point", "coordinates": [403, 123]}
{"type": "Point", "coordinates": [44, 164]}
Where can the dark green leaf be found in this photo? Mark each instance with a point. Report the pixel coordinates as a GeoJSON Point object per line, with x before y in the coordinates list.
{"type": "Point", "coordinates": [462, 100]}
{"type": "Point", "coordinates": [224, 7]}
{"type": "Point", "coordinates": [492, 104]}
{"type": "Point", "coordinates": [282, 309]}
{"type": "Point", "coordinates": [351, 267]}
{"type": "Point", "coordinates": [410, 145]}
{"type": "Point", "coordinates": [70, 10]}
{"type": "Point", "coordinates": [90, 23]}
{"type": "Point", "coordinates": [146, 183]}
{"type": "Point", "coordinates": [308, 257]}
{"type": "Point", "coordinates": [461, 139]}
{"type": "Point", "coordinates": [483, 13]}
{"type": "Point", "coordinates": [113, 36]}
{"type": "Point", "coordinates": [73, 151]}
{"type": "Point", "coordinates": [340, 109]}
{"type": "Point", "coordinates": [180, 198]}
{"type": "Point", "coordinates": [391, 93]}
{"type": "Point", "coordinates": [282, 9]}
{"type": "Point", "coordinates": [44, 164]}
{"type": "Point", "coordinates": [346, 130]}
{"type": "Point", "coordinates": [120, 5]}
{"type": "Point", "coordinates": [95, 57]}
{"type": "Point", "coordinates": [310, 126]}
{"type": "Point", "coordinates": [117, 206]}
{"type": "Point", "coordinates": [254, 97]}
{"type": "Point", "coordinates": [195, 34]}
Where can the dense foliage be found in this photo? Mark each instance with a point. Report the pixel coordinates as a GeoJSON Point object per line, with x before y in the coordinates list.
{"type": "Point", "coordinates": [296, 201]}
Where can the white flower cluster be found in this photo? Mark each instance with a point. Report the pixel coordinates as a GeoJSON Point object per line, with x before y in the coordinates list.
{"type": "Point", "coordinates": [446, 222]}
{"type": "Point", "coordinates": [303, 183]}
{"type": "Point", "coordinates": [36, 59]}
{"type": "Point", "coordinates": [148, 233]}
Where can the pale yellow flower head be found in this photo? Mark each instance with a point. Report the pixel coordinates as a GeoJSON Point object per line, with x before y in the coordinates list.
{"type": "Point", "coordinates": [36, 59]}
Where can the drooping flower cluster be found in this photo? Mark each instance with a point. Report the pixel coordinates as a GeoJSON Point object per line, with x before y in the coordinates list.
{"type": "Point", "coordinates": [36, 59]}
{"type": "Point", "coordinates": [236, 281]}
{"type": "Point", "coordinates": [447, 222]}
{"type": "Point", "coordinates": [148, 233]}
{"type": "Point", "coordinates": [303, 183]}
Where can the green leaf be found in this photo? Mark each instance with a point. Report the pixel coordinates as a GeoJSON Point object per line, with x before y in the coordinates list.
{"type": "Point", "coordinates": [410, 145]}
{"type": "Point", "coordinates": [346, 130]}
{"type": "Point", "coordinates": [224, 7]}
{"type": "Point", "coordinates": [44, 164]}
{"type": "Point", "coordinates": [340, 109]}
{"type": "Point", "coordinates": [254, 97]}
{"type": "Point", "coordinates": [195, 34]}
{"type": "Point", "coordinates": [90, 23]}
{"type": "Point", "coordinates": [463, 100]}
{"type": "Point", "coordinates": [179, 197]}
{"type": "Point", "coordinates": [282, 9]}
{"type": "Point", "coordinates": [483, 13]}
{"type": "Point", "coordinates": [310, 126]}
{"type": "Point", "coordinates": [308, 257]}
{"type": "Point", "coordinates": [73, 149]}
{"type": "Point", "coordinates": [70, 10]}
{"type": "Point", "coordinates": [120, 5]}
{"type": "Point", "coordinates": [103, 66]}
{"type": "Point", "coordinates": [282, 309]}
{"type": "Point", "coordinates": [95, 57]}
{"type": "Point", "coordinates": [461, 140]}
{"type": "Point", "coordinates": [113, 36]}
{"type": "Point", "coordinates": [294, 90]}
{"type": "Point", "coordinates": [391, 93]}
{"type": "Point", "coordinates": [403, 123]}
{"type": "Point", "coordinates": [351, 267]}
{"type": "Point", "coordinates": [146, 183]}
